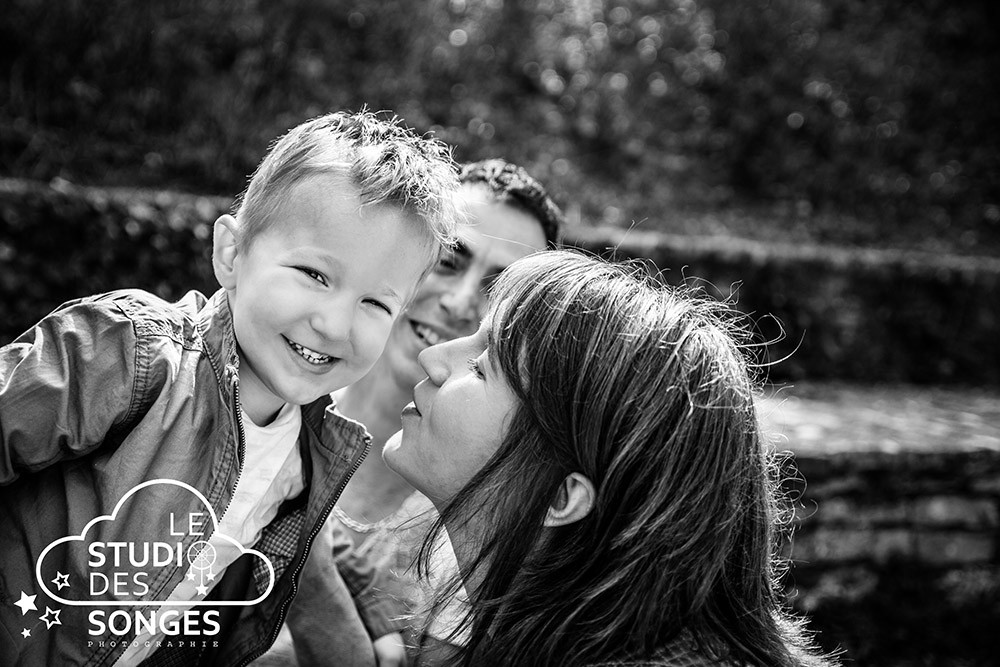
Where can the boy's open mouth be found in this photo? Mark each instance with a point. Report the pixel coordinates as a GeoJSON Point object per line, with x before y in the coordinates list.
{"type": "Point", "coordinates": [313, 357]}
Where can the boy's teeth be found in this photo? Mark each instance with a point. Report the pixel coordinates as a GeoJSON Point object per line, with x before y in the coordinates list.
{"type": "Point", "coordinates": [311, 356]}
{"type": "Point", "coordinates": [428, 334]}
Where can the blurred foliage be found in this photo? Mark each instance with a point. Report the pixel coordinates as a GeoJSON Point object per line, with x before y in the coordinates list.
{"type": "Point", "coordinates": [61, 242]}
{"type": "Point", "coordinates": [631, 110]}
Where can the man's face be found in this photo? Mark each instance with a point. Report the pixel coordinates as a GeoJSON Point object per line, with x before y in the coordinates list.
{"type": "Point", "coordinates": [451, 301]}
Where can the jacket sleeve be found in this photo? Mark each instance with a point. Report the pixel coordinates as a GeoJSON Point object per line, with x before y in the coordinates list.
{"type": "Point", "coordinates": [64, 384]}
{"type": "Point", "coordinates": [380, 611]}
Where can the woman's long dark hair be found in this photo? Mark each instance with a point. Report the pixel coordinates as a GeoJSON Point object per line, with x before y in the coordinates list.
{"type": "Point", "coordinates": [643, 389]}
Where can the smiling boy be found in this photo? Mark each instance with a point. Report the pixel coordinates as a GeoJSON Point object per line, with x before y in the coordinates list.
{"type": "Point", "coordinates": [228, 395]}
{"type": "Point", "coordinates": [313, 299]}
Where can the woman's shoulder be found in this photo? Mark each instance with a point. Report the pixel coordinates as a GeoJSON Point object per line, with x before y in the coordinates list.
{"type": "Point", "coordinates": [673, 659]}
{"type": "Point", "coordinates": [682, 652]}
{"type": "Point", "coordinates": [686, 659]}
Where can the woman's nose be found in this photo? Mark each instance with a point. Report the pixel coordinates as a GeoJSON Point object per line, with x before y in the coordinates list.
{"type": "Point", "coordinates": [435, 361]}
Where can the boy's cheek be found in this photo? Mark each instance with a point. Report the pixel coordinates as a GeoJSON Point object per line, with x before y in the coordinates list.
{"type": "Point", "coordinates": [372, 343]}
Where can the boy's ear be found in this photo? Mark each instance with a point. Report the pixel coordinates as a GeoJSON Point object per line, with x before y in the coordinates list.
{"type": "Point", "coordinates": [224, 250]}
{"type": "Point", "coordinates": [575, 499]}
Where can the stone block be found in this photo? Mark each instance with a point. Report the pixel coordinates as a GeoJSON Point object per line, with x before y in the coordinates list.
{"type": "Point", "coordinates": [944, 548]}
{"type": "Point", "coordinates": [946, 511]}
{"type": "Point", "coordinates": [846, 545]}
{"type": "Point", "coordinates": [892, 543]}
{"type": "Point", "coordinates": [839, 584]}
{"type": "Point", "coordinates": [836, 486]}
{"type": "Point", "coordinates": [855, 513]}
{"type": "Point", "coordinates": [987, 485]}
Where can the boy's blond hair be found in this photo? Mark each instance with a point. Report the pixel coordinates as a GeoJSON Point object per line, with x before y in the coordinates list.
{"type": "Point", "coordinates": [388, 163]}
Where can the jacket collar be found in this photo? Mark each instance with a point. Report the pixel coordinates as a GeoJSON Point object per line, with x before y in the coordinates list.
{"type": "Point", "coordinates": [215, 322]}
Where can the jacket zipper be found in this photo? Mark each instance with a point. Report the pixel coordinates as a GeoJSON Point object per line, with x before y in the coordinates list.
{"type": "Point", "coordinates": [241, 450]}
{"type": "Point", "coordinates": [240, 434]}
{"type": "Point", "coordinates": [283, 612]}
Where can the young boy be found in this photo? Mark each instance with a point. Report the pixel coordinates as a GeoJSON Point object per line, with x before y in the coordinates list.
{"type": "Point", "coordinates": [188, 453]}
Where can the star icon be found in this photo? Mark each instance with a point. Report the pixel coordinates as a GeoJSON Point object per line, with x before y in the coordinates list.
{"type": "Point", "coordinates": [54, 613]}
{"type": "Point", "coordinates": [202, 590]}
{"type": "Point", "coordinates": [61, 580]}
{"type": "Point", "coordinates": [26, 633]}
{"type": "Point", "coordinates": [190, 575]}
{"type": "Point", "coordinates": [26, 603]}
{"type": "Point", "coordinates": [210, 576]}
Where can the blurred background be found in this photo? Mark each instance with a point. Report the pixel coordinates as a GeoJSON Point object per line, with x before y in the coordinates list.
{"type": "Point", "coordinates": [857, 122]}
{"type": "Point", "coordinates": [834, 165]}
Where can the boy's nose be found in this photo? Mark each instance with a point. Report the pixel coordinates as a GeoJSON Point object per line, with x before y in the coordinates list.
{"type": "Point", "coordinates": [333, 320]}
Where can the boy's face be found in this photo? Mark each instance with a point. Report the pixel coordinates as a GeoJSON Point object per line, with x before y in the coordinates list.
{"type": "Point", "coordinates": [315, 295]}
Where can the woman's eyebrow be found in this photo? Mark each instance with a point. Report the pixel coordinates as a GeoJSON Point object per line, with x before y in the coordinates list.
{"type": "Point", "coordinates": [490, 338]}
{"type": "Point", "coordinates": [491, 341]}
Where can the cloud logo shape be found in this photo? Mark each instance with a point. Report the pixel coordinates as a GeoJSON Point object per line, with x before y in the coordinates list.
{"type": "Point", "coordinates": [195, 552]}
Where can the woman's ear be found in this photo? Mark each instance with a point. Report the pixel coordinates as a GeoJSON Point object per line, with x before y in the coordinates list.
{"type": "Point", "coordinates": [225, 244]}
{"type": "Point", "coordinates": [575, 499]}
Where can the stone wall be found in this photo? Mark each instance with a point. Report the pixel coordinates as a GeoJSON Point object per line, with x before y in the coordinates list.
{"type": "Point", "coordinates": [845, 313]}
{"type": "Point", "coordinates": [939, 508]}
{"type": "Point", "coordinates": [897, 555]}
{"type": "Point", "coordinates": [835, 312]}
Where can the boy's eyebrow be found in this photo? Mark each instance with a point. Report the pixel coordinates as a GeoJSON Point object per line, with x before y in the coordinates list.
{"type": "Point", "coordinates": [388, 291]}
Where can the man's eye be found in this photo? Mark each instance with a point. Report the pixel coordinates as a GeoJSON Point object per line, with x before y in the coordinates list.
{"type": "Point", "coordinates": [312, 273]}
{"type": "Point", "coordinates": [447, 264]}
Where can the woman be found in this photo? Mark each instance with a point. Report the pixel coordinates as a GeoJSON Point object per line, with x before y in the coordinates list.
{"type": "Point", "coordinates": [595, 456]}
{"type": "Point", "coordinates": [510, 216]}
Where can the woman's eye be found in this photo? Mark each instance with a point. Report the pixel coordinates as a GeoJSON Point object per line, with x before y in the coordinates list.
{"type": "Point", "coordinates": [378, 304]}
{"type": "Point", "coordinates": [315, 275]}
{"type": "Point", "coordinates": [476, 368]}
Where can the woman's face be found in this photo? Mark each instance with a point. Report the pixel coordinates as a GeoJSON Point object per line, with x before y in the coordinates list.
{"type": "Point", "coordinates": [450, 301]}
{"type": "Point", "coordinates": [457, 420]}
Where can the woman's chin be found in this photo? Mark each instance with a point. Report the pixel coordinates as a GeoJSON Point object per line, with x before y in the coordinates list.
{"type": "Point", "coordinates": [392, 456]}
{"type": "Point", "coordinates": [391, 445]}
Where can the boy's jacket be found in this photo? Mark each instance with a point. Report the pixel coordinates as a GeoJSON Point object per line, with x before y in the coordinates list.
{"type": "Point", "coordinates": [112, 391]}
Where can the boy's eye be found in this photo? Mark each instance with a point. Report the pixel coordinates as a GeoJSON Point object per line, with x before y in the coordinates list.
{"type": "Point", "coordinates": [476, 368]}
{"type": "Point", "coordinates": [312, 273]}
{"type": "Point", "coordinates": [380, 305]}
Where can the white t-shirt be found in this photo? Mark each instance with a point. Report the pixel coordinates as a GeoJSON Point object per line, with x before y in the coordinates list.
{"type": "Point", "coordinates": [272, 473]}
{"type": "Point", "coordinates": [444, 565]}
